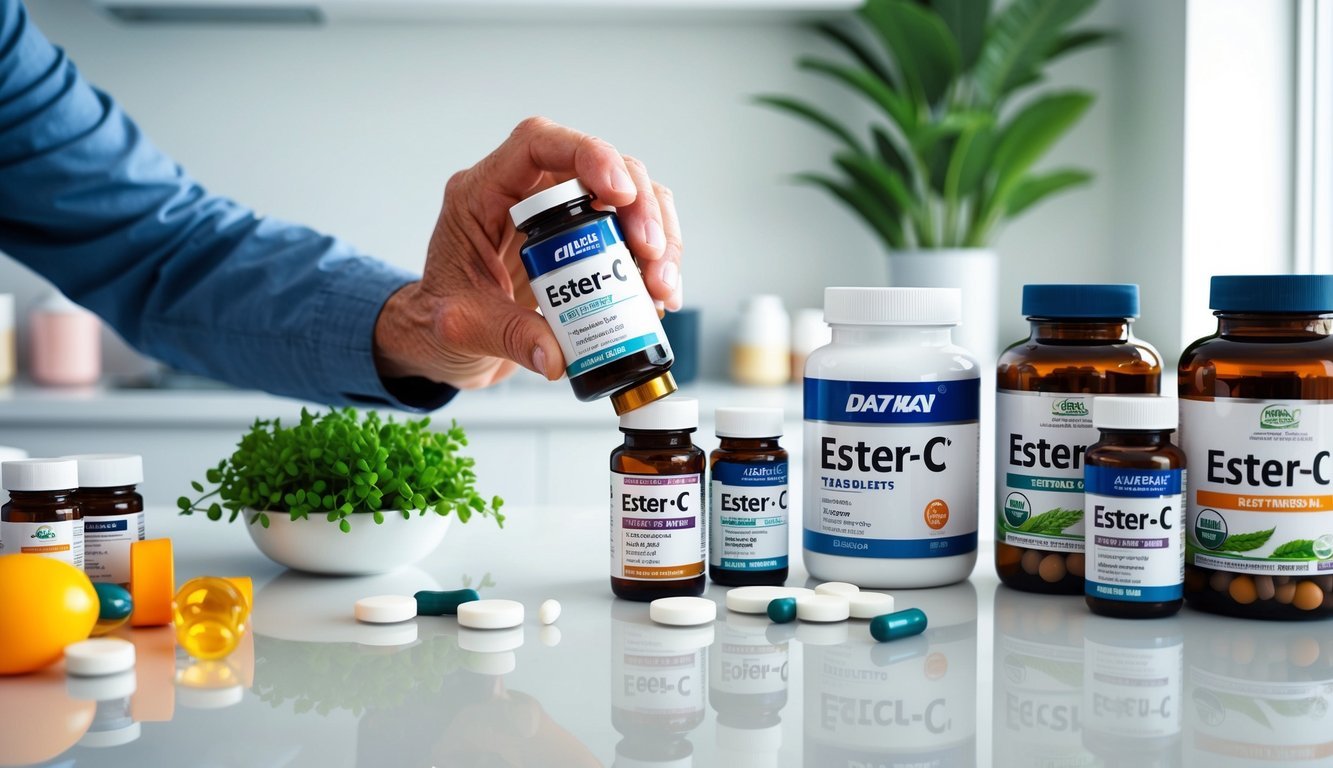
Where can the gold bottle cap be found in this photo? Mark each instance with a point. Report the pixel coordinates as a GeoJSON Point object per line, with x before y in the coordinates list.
{"type": "Point", "coordinates": [643, 393]}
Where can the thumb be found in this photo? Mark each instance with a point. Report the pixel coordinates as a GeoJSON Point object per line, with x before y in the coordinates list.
{"type": "Point", "coordinates": [515, 333]}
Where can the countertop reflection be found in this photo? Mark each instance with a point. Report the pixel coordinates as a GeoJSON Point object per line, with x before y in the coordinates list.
{"type": "Point", "coordinates": [999, 678]}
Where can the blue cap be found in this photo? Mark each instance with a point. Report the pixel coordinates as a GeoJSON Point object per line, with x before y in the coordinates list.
{"type": "Point", "coordinates": [1272, 293]}
{"type": "Point", "coordinates": [1078, 300]}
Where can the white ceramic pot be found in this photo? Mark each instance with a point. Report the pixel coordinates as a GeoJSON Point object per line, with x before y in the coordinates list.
{"type": "Point", "coordinates": [976, 272]}
{"type": "Point", "coordinates": [318, 546]}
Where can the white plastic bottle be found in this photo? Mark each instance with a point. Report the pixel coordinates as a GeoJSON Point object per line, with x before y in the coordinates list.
{"type": "Point", "coordinates": [761, 350]}
{"type": "Point", "coordinates": [891, 441]}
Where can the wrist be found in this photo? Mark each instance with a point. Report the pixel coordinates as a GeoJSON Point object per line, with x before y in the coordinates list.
{"type": "Point", "coordinates": [402, 333]}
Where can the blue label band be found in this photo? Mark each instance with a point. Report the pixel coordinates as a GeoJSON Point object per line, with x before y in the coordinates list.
{"type": "Point", "coordinates": [104, 526]}
{"type": "Point", "coordinates": [945, 546]}
{"type": "Point", "coordinates": [570, 247]}
{"type": "Point", "coordinates": [762, 564]}
{"type": "Point", "coordinates": [1132, 483]}
{"type": "Point", "coordinates": [874, 402]}
{"type": "Point", "coordinates": [1132, 594]}
{"type": "Point", "coordinates": [750, 475]}
{"type": "Point", "coordinates": [604, 356]}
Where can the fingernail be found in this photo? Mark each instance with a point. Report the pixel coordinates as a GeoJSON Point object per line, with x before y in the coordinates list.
{"type": "Point", "coordinates": [671, 275]}
{"type": "Point", "coordinates": [620, 181]}
{"type": "Point", "coordinates": [539, 360]}
{"type": "Point", "coordinates": [652, 234]}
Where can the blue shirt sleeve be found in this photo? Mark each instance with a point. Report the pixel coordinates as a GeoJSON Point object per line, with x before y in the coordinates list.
{"type": "Point", "coordinates": [191, 278]}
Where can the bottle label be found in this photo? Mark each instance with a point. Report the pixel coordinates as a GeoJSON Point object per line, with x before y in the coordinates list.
{"type": "Point", "coordinates": [1040, 438]}
{"type": "Point", "coordinates": [747, 664]}
{"type": "Point", "coordinates": [62, 540]}
{"type": "Point", "coordinates": [1133, 693]}
{"type": "Point", "coordinates": [106, 546]}
{"type": "Point", "coordinates": [748, 525]}
{"type": "Point", "coordinates": [1261, 491]}
{"type": "Point", "coordinates": [1136, 540]}
{"type": "Point", "coordinates": [891, 468]}
{"type": "Point", "coordinates": [590, 291]}
{"type": "Point", "coordinates": [656, 527]}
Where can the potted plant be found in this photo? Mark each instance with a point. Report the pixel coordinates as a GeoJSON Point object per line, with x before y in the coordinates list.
{"type": "Point", "coordinates": [948, 157]}
{"type": "Point", "coordinates": [336, 492]}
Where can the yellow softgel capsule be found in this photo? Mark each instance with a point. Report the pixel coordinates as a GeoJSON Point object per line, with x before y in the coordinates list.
{"type": "Point", "coordinates": [211, 616]}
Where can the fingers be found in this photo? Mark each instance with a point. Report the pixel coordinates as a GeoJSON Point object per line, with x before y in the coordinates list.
{"type": "Point", "coordinates": [666, 275]}
{"type": "Point", "coordinates": [501, 329]}
{"type": "Point", "coordinates": [539, 146]}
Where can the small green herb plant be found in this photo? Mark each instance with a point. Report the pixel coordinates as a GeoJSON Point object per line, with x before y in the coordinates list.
{"type": "Point", "coordinates": [339, 465]}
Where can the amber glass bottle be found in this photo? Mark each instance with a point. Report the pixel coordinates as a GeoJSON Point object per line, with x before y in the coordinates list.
{"type": "Point", "coordinates": [1256, 424]}
{"type": "Point", "coordinates": [113, 516]}
{"type": "Point", "coordinates": [748, 509]}
{"type": "Point", "coordinates": [1081, 345]}
{"type": "Point", "coordinates": [658, 539]}
{"type": "Point", "coordinates": [42, 516]}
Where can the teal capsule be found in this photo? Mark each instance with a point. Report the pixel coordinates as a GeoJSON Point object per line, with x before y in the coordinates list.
{"type": "Point", "coordinates": [440, 603]}
{"type": "Point", "coordinates": [114, 601]}
{"type": "Point", "coordinates": [782, 610]}
{"type": "Point", "coordinates": [892, 626]}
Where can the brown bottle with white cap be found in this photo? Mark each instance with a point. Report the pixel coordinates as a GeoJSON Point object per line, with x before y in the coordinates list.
{"type": "Point", "coordinates": [112, 510]}
{"type": "Point", "coordinates": [42, 516]}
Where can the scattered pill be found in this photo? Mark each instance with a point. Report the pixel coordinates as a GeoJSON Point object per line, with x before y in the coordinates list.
{"type": "Point", "coordinates": [490, 614]}
{"type": "Point", "coordinates": [1242, 590]}
{"type": "Point", "coordinates": [430, 603]}
{"type": "Point", "coordinates": [682, 611]}
{"type": "Point", "coordinates": [822, 608]}
{"type": "Point", "coordinates": [99, 656]}
{"type": "Point", "coordinates": [1308, 596]}
{"type": "Point", "coordinates": [385, 609]}
{"type": "Point", "coordinates": [114, 608]}
{"type": "Point", "coordinates": [756, 599]}
{"type": "Point", "coordinates": [892, 626]}
{"type": "Point", "coordinates": [1052, 568]}
{"type": "Point", "coordinates": [868, 605]}
{"type": "Point", "coordinates": [211, 616]}
{"type": "Point", "coordinates": [152, 582]}
{"type": "Point", "coordinates": [1031, 561]}
{"type": "Point", "coordinates": [548, 611]}
{"type": "Point", "coordinates": [836, 588]}
{"type": "Point", "coordinates": [782, 610]}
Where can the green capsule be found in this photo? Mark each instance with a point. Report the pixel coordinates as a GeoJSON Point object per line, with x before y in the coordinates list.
{"type": "Point", "coordinates": [892, 626]}
{"type": "Point", "coordinates": [782, 610]}
{"type": "Point", "coordinates": [440, 603]}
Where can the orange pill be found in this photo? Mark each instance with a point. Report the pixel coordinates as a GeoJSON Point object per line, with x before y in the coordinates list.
{"type": "Point", "coordinates": [1075, 564]}
{"type": "Point", "coordinates": [1031, 561]}
{"type": "Point", "coordinates": [1242, 590]}
{"type": "Point", "coordinates": [1052, 568]}
{"type": "Point", "coordinates": [1308, 596]}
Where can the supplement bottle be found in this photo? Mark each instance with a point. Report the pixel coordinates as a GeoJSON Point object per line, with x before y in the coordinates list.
{"type": "Point", "coordinates": [1256, 424]}
{"type": "Point", "coordinates": [891, 441]}
{"type": "Point", "coordinates": [1081, 344]}
{"type": "Point", "coordinates": [658, 544]}
{"type": "Point", "coordinates": [1133, 479]}
{"type": "Point", "coordinates": [588, 287]}
{"type": "Point", "coordinates": [42, 516]}
{"type": "Point", "coordinates": [112, 513]}
{"type": "Point", "coordinates": [749, 502]}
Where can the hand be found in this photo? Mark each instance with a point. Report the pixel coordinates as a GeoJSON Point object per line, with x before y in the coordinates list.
{"type": "Point", "coordinates": [472, 317]}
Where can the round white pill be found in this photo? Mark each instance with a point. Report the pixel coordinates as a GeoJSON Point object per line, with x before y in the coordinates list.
{"type": "Point", "coordinates": [99, 656]}
{"type": "Point", "coordinates": [756, 599]}
{"type": "Point", "coordinates": [490, 614]}
{"type": "Point", "coordinates": [682, 611]}
{"type": "Point", "coordinates": [822, 608]}
{"type": "Point", "coordinates": [548, 611]}
{"type": "Point", "coordinates": [385, 609]}
{"type": "Point", "coordinates": [836, 588]}
{"type": "Point", "coordinates": [868, 605]}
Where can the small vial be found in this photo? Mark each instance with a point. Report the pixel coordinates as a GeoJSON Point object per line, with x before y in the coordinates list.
{"type": "Point", "coordinates": [42, 516]}
{"type": "Point", "coordinates": [210, 615]}
{"type": "Point", "coordinates": [112, 513]}
{"type": "Point", "coordinates": [657, 531]}
{"type": "Point", "coordinates": [748, 512]}
{"type": "Point", "coordinates": [589, 289]}
{"type": "Point", "coordinates": [1133, 480]}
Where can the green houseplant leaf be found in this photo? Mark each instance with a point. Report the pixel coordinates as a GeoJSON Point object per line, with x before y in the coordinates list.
{"type": "Point", "coordinates": [1023, 35]}
{"type": "Point", "coordinates": [1034, 188]}
{"type": "Point", "coordinates": [863, 203]}
{"type": "Point", "coordinates": [922, 46]}
{"type": "Point", "coordinates": [966, 20]}
{"type": "Point", "coordinates": [813, 115]}
{"type": "Point", "coordinates": [899, 109]}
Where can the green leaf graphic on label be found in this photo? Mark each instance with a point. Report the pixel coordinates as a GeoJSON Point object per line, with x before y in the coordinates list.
{"type": "Point", "coordinates": [1052, 521]}
{"type": "Point", "coordinates": [1069, 406]}
{"type": "Point", "coordinates": [1245, 706]}
{"type": "Point", "coordinates": [1279, 417]}
{"type": "Point", "coordinates": [1296, 549]}
{"type": "Point", "coordinates": [1244, 542]}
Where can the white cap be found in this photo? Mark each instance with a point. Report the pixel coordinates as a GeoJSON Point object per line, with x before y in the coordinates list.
{"type": "Point", "coordinates": [108, 470]}
{"type": "Point", "coordinates": [763, 322]}
{"type": "Point", "coordinates": [669, 413]}
{"type": "Point", "coordinates": [748, 422]}
{"type": "Point", "coordinates": [40, 474]}
{"type": "Point", "coordinates": [547, 199]}
{"type": "Point", "coordinates": [1147, 413]}
{"type": "Point", "coordinates": [893, 306]}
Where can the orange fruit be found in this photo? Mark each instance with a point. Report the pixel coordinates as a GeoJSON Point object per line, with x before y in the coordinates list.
{"type": "Point", "coordinates": [45, 605]}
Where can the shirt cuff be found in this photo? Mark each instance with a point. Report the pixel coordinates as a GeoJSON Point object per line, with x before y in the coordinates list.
{"type": "Point", "coordinates": [349, 306]}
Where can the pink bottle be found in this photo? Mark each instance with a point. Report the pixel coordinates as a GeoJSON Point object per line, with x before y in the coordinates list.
{"type": "Point", "coordinates": [65, 347]}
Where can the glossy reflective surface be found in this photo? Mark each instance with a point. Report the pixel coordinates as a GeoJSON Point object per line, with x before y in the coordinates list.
{"type": "Point", "coordinates": [999, 678]}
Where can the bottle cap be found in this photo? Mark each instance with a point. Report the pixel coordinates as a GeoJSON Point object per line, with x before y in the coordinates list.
{"type": "Point", "coordinates": [643, 393]}
{"type": "Point", "coordinates": [1272, 293]}
{"type": "Point", "coordinates": [1081, 301]}
{"type": "Point", "coordinates": [40, 475]}
{"type": "Point", "coordinates": [669, 414]}
{"type": "Point", "coordinates": [893, 306]}
{"type": "Point", "coordinates": [748, 422]}
{"type": "Point", "coordinates": [1146, 413]}
{"type": "Point", "coordinates": [547, 199]}
{"type": "Point", "coordinates": [108, 470]}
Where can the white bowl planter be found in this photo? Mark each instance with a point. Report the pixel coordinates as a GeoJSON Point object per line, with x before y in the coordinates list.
{"type": "Point", "coordinates": [318, 546]}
